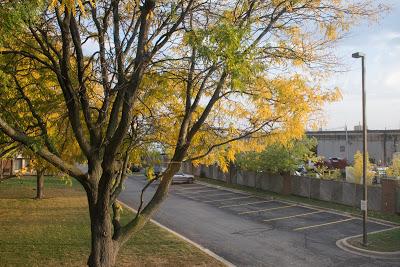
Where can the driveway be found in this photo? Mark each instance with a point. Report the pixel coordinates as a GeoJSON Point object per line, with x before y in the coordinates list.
{"type": "Point", "coordinates": [248, 230]}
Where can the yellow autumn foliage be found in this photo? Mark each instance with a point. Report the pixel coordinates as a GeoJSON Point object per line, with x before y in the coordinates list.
{"type": "Point", "coordinates": [358, 169]}
{"type": "Point", "coordinates": [394, 168]}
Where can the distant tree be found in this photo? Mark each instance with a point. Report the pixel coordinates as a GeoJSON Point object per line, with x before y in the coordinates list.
{"type": "Point", "coordinates": [358, 169]}
{"type": "Point", "coordinates": [394, 168]}
{"type": "Point", "coordinates": [278, 158]}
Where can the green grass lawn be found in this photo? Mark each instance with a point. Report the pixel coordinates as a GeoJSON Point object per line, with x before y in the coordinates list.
{"type": "Point", "coordinates": [319, 203]}
{"type": "Point", "coordinates": [387, 241]}
{"type": "Point", "coordinates": [55, 231]}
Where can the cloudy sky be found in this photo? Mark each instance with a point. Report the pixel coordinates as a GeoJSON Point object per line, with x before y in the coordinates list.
{"type": "Point", "coordinates": [381, 44]}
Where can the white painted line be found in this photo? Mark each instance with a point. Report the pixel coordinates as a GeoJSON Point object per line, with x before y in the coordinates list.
{"type": "Point", "coordinates": [222, 194]}
{"type": "Point", "coordinates": [191, 188]}
{"type": "Point", "coordinates": [310, 206]}
{"type": "Point", "coordinates": [293, 216]}
{"type": "Point", "coordinates": [244, 204]}
{"type": "Point", "coordinates": [226, 199]}
{"type": "Point", "coordinates": [195, 192]}
{"type": "Point", "coordinates": [322, 224]}
{"type": "Point", "coordinates": [276, 208]}
{"type": "Point", "coordinates": [373, 220]}
{"type": "Point", "coordinates": [205, 250]}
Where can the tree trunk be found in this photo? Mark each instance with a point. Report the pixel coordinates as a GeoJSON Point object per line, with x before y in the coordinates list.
{"type": "Point", "coordinates": [39, 184]}
{"type": "Point", "coordinates": [1, 168]}
{"type": "Point", "coordinates": [104, 249]}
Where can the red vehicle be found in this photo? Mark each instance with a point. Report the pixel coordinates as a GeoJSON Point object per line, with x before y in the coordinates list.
{"type": "Point", "coordinates": [336, 163]}
{"type": "Point", "coordinates": [333, 163]}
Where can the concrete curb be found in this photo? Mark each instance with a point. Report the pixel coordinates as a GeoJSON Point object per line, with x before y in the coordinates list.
{"type": "Point", "coordinates": [346, 246]}
{"type": "Point", "coordinates": [378, 221]}
{"type": "Point", "coordinates": [205, 250]}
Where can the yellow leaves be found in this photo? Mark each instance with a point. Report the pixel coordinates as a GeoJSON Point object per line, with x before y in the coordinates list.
{"type": "Point", "coordinates": [331, 32]}
{"type": "Point", "coordinates": [150, 15]}
{"type": "Point", "coordinates": [21, 172]}
{"type": "Point", "coordinates": [118, 208]}
{"type": "Point", "coordinates": [394, 168]}
{"type": "Point", "coordinates": [70, 5]}
{"type": "Point", "coordinates": [149, 172]}
{"type": "Point", "coordinates": [334, 95]}
{"type": "Point", "coordinates": [66, 179]}
{"type": "Point", "coordinates": [287, 102]}
{"type": "Point", "coordinates": [358, 168]}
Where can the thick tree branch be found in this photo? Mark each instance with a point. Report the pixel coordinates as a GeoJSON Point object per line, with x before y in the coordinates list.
{"type": "Point", "coordinates": [65, 82]}
{"type": "Point", "coordinates": [94, 135]}
{"type": "Point", "coordinates": [196, 126]}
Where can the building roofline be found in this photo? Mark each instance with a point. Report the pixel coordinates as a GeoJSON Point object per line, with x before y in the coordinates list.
{"type": "Point", "coordinates": [352, 132]}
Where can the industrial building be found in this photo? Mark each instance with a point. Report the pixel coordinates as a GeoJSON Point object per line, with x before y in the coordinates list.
{"type": "Point", "coordinates": [382, 144]}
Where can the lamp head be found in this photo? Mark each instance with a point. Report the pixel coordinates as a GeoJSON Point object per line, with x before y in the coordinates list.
{"type": "Point", "coordinates": [358, 55]}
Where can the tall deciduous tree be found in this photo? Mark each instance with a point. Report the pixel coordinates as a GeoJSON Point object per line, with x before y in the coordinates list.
{"type": "Point", "coordinates": [203, 79]}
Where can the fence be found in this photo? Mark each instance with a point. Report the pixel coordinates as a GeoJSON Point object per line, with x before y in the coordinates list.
{"type": "Point", "coordinates": [384, 197]}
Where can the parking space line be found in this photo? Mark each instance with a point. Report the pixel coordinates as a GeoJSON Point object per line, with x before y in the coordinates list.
{"type": "Point", "coordinates": [293, 216]}
{"type": "Point", "coordinates": [322, 224]}
{"type": "Point", "coordinates": [244, 204]}
{"type": "Point", "coordinates": [191, 188]}
{"type": "Point", "coordinates": [222, 194]}
{"type": "Point", "coordinates": [276, 208]}
{"type": "Point", "coordinates": [226, 199]}
{"type": "Point", "coordinates": [195, 192]}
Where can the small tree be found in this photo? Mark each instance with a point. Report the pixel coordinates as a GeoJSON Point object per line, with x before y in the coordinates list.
{"type": "Point", "coordinates": [394, 168]}
{"type": "Point", "coordinates": [358, 169]}
{"type": "Point", "coordinates": [278, 158]}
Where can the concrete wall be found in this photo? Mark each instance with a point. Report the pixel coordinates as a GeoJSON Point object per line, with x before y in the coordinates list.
{"type": "Point", "coordinates": [385, 197]}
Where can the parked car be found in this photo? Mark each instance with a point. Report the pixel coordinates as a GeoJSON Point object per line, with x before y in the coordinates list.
{"type": "Point", "coordinates": [336, 163]}
{"type": "Point", "coordinates": [179, 177]}
{"type": "Point", "coordinates": [380, 172]}
{"type": "Point", "coordinates": [135, 168]}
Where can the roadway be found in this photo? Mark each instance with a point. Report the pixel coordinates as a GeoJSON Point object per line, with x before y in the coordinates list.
{"type": "Point", "coordinates": [248, 230]}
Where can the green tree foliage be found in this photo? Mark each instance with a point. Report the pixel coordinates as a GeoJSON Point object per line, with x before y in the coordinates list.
{"type": "Point", "coordinates": [15, 13]}
{"type": "Point", "coordinates": [278, 158]}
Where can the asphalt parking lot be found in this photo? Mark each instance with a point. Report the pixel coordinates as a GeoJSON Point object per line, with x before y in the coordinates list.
{"type": "Point", "coordinates": [277, 213]}
{"type": "Point", "coordinates": [249, 230]}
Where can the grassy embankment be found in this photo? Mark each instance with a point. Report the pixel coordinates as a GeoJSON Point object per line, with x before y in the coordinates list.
{"type": "Point", "coordinates": [55, 231]}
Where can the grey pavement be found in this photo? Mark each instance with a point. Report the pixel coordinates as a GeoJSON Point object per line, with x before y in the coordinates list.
{"type": "Point", "coordinates": [251, 231]}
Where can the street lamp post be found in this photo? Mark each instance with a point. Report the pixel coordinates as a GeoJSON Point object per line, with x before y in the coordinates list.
{"type": "Point", "coordinates": [364, 201]}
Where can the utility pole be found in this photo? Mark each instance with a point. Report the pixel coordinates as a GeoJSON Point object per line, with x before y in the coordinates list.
{"type": "Point", "coordinates": [364, 203]}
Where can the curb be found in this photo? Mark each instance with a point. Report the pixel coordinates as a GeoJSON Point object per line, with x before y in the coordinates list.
{"type": "Point", "coordinates": [205, 250]}
{"type": "Point", "coordinates": [346, 246]}
{"type": "Point", "coordinates": [375, 220]}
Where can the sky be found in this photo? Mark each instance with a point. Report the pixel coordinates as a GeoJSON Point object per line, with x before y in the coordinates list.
{"type": "Point", "coordinates": [381, 43]}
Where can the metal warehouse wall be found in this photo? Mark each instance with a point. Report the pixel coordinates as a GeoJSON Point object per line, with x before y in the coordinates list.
{"type": "Point", "coordinates": [382, 144]}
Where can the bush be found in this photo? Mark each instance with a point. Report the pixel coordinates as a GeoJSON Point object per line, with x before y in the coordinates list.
{"type": "Point", "coordinates": [358, 169]}
{"type": "Point", "coordinates": [278, 158]}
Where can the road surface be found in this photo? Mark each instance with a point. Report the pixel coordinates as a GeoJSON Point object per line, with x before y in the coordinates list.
{"type": "Point", "coordinates": [251, 231]}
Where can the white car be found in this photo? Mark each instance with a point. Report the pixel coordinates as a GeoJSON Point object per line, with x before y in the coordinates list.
{"type": "Point", "coordinates": [181, 177]}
